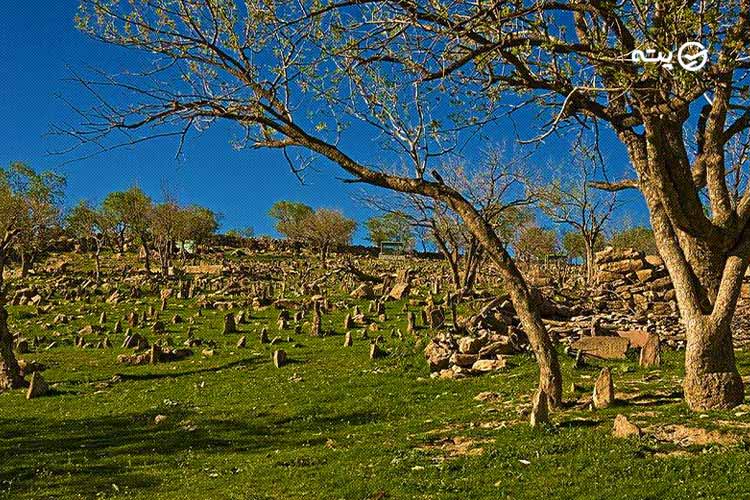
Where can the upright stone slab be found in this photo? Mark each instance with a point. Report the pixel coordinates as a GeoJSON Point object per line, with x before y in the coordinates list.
{"type": "Point", "coordinates": [651, 352]}
{"type": "Point", "coordinates": [38, 386]}
{"type": "Point", "coordinates": [279, 358]}
{"type": "Point", "coordinates": [539, 409]}
{"type": "Point", "coordinates": [604, 389]}
{"type": "Point", "coordinates": [229, 325]}
{"type": "Point", "coordinates": [348, 339]}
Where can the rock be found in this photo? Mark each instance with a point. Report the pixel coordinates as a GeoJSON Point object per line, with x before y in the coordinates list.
{"type": "Point", "coordinates": [637, 338]}
{"type": "Point", "coordinates": [471, 345]}
{"type": "Point", "coordinates": [651, 352]}
{"type": "Point", "coordinates": [22, 346]}
{"type": "Point", "coordinates": [229, 324]}
{"type": "Point", "coordinates": [464, 360]}
{"type": "Point", "coordinates": [375, 351]}
{"type": "Point", "coordinates": [654, 260]}
{"type": "Point", "coordinates": [363, 291]}
{"type": "Point", "coordinates": [539, 409]}
{"type": "Point", "coordinates": [644, 274]}
{"type": "Point", "coordinates": [38, 386]}
{"type": "Point", "coordinates": [438, 355]}
{"type": "Point", "coordinates": [264, 336]}
{"type": "Point", "coordinates": [603, 347]}
{"type": "Point", "coordinates": [625, 429]}
{"type": "Point", "coordinates": [160, 419]}
{"type": "Point", "coordinates": [604, 390]}
{"type": "Point", "coordinates": [348, 339]}
{"type": "Point", "coordinates": [399, 291]}
{"type": "Point", "coordinates": [242, 342]}
{"type": "Point", "coordinates": [348, 323]}
{"type": "Point", "coordinates": [436, 318]}
{"type": "Point", "coordinates": [503, 347]}
{"type": "Point", "coordinates": [488, 365]}
{"type": "Point", "coordinates": [155, 355]}
{"type": "Point", "coordinates": [279, 358]}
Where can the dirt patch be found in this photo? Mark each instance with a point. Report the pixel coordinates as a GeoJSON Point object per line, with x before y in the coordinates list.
{"type": "Point", "coordinates": [689, 436]}
{"type": "Point", "coordinates": [458, 446]}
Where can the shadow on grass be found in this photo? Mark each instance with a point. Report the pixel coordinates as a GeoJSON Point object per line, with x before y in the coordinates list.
{"type": "Point", "coordinates": [85, 457]}
{"type": "Point", "coordinates": [245, 362]}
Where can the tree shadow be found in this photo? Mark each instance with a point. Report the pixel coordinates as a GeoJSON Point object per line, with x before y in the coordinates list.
{"type": "Point", "coordinates": [84, 457]}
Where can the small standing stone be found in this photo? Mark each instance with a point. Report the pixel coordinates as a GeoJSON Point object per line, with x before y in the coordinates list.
{"type": "Point", "coordinates": [279, 358]}
{"type": "Point", "coordinates": [264, 336]}
{"type": "Point", "coordinates": [242, 342]}
{"type": "Point", "coordinates": [348, 339]}
{"type": "Point", "coordinates": [229, 324]}
{"type": "Point", "coordinates": [375, 351]}
{"type": "Point", "coordinates": [604, 389]}
{"type": "Point", "coordinates": [651, 352]}
{"type": "Point", "coordinates": [539, 409]}
{"type": "Point", "coordinates": [38, 386]}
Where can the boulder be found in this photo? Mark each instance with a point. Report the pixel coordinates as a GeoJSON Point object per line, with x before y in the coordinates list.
{"type": "Point", "coordinates": [488, 365]}
{"type": "Point", "coordinates": [363, 291]}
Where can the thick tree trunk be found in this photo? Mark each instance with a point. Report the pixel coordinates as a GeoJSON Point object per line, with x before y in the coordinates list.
{"type": "Point", "coordinates": [707, 282]}
{"type": "Point", "coordinates": [711, 377]}
{"type": "Point", "coordinates": [10, 373]}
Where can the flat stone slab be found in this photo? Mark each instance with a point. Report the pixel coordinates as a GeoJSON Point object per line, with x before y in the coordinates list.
{"type": "Point", "coordinates": [603, 347]}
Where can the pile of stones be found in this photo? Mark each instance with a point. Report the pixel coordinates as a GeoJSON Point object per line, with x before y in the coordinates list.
{"type": "Point", "coordinates": [459, 358]}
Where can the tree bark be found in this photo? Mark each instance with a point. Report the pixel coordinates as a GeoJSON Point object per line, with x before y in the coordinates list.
{"type": "Point", "coordinates": [706, 273]}
{"type": "Point", "coordinates": [589, 262]}
{"type": "Point", "coordinates": [25, 264]}
{"type": "Point", "coordinates": [97, 261]}
{"type": "Point", "coordinates": [147, 262]}
{"type": "Point", "coordinates": [10, 373]}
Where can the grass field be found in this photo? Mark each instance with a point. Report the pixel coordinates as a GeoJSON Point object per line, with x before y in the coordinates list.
{"type": "Point", "coordinates": [334, 424]}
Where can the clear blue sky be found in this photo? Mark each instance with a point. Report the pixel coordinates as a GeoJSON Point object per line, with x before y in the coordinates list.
{"type": "Point", "coordinates": [41, 46]}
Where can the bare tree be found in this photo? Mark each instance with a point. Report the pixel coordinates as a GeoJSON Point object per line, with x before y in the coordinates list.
{"type": "Point", "coordinates": [571, 200]}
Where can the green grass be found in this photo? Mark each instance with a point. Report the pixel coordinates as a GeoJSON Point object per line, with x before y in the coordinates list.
{"type": "Point", "coordinates": [334, 425]}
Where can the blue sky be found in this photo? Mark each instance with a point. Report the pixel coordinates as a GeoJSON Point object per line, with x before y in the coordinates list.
{"type": "Point", "coordinates": [41, 46]}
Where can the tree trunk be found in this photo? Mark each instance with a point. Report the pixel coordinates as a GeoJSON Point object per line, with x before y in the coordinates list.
{"type": "Point", "coordinates": [10, 373]}
{"type": "Point", "coordinates": [97, 262]}
{"type": "Point", "coordinates": [25, 264]}
{"type": "Point", "coordinates": [147, 262]}
{"type": "Point", "coordinates": [711, 377]}
{"type": "Point", "coordinates": [589, 262]}
{"type": "Point", "coordinates": [707, 282]}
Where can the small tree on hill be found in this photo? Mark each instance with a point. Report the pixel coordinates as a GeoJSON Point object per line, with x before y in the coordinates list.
{"type": "Point", "coordinates": [290, 218]}
{"type": "Point", "coordinates": [87, 223]}
{"type": "Point", "coordinates": [391, 227]}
